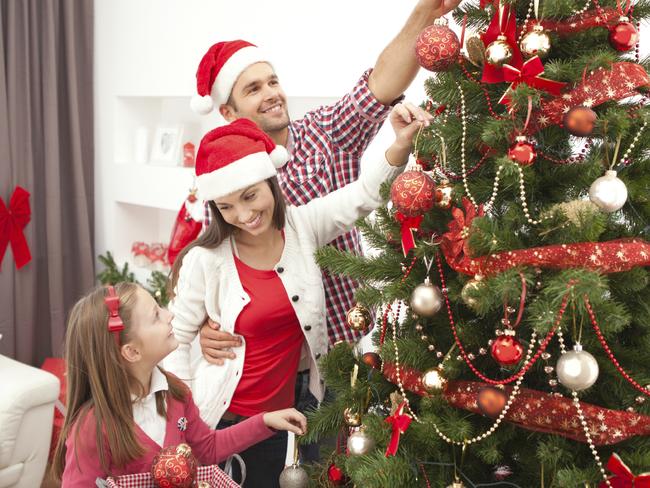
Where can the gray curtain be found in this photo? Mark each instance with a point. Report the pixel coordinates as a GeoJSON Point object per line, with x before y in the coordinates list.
{"type": "Point", "coordinates": [46, 146]}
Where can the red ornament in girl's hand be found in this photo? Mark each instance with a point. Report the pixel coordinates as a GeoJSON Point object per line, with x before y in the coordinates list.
{"type": "Point", "coordinates": [413, 193]}
{"type": "Point", "coordinates": [506, 350]}
{"type": "Point", "coordinates": [174, 467]}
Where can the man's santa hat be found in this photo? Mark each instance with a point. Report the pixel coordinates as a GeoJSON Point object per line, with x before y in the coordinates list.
{"type": "Point", "coordinates": [235, 156]}
{"type": "Point", "coordinates": [218, 71]}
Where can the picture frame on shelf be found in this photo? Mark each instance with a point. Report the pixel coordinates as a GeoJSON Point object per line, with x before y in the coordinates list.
{"type": "Point", "coordinates": [166, 144]}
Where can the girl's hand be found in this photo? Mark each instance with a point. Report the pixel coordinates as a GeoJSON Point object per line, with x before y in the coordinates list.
{"type": "Point", "coordinates": [406, 120]}
{"type": "Point", "coordinates": [288, 419]}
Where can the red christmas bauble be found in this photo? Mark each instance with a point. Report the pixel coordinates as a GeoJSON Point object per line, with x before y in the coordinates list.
{"type": "Point", "coordinates": [522, 152]}
{"type": "Point", "coordinates": [580, 121]}
{"type": "Point", "coordinates": [372, 359]}
{"type": "Point", "coordinates": [507, 350]}
{"type": "Point", "coordinates": [413, 193]}
{"type": "Point", "coordinates": [491, 400]}
{"type": "Point", "coordinates": [437, 46]}
{"type": "Point", "coordinates": [174, 467]}
{"type": "Point", "coordinates": [336, 475]}
{"type": "Point", "coordinates": [623, 36]}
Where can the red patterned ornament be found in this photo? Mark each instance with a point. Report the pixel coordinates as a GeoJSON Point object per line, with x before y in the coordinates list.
{"type": "Point", "coordinates": [413, 193]}
{"type": "Point", "coordinates": [437, 47]}
{"type": "Point", "coordinates": [623, 36]}
{"type": "Point", "coordinates": [336, 476]}
{"type": "Point", "coordinates": [522, 152]}
{"type": "Point", "coordinates": [507, 350]}
{"type": "Point", "coordinates": [174, 467]}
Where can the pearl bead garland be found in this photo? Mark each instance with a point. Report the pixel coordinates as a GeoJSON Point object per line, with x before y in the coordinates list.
{"type": "Point", "coordinates": [522, 196]}
{"type": "Point", "coordinates": [634, 141]}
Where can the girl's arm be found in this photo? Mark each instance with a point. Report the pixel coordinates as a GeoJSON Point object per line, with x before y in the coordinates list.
{"type": "Point", "coordinates": [213, 446]}
{"type": "Point", "coordinates": [188, 307]}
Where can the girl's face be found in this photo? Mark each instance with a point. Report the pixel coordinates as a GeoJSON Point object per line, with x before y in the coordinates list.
{"type": "Point", "coordinates": [151, 330]}
{"type": "Point", "coordinates": [250, 209]}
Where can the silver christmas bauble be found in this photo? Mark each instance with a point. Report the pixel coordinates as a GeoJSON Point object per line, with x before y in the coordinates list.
{"type": "Point", "coordinates": [608, 192]}
{"type": "Point", "coordinates": [360, 443]}
{"type": "Point", "coordinates": [294, 476]}
{"type": "Point", "coordinates": [434, 380]}
{"type": "Point", "coordinates": [535, 43]}
{"type": "Point", "coordinates": [426, 299]}
{"type": "Point", "coordinates": [498, 52]}
{"type": "Point", "coordinates": [577, 370]}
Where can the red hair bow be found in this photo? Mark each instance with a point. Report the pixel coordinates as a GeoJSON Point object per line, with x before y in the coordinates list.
{"type": "Point", "coordinates": [115, 323]}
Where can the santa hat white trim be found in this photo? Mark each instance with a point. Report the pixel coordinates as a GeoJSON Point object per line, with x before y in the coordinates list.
{"type": "Point", "coordinates": [230, 71]}
{"type": "Point", "coordinates": [237, 175]}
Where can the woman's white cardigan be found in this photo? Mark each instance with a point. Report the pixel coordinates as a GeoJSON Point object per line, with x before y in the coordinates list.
{"type": "Point", "coordinates": [209, 286]}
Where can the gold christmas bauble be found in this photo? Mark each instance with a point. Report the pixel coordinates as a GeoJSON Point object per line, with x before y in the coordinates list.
{"type": "Point", "coordinates": [434, 380]}
{"type": "Point", "coordinates": [358, 318]}
{"type": "Point", "coordinates": [426, 299]}
{"type": "Point", "coordinates": [294, 476]}
{"type": "Point", "coordinates": [352, 417]}
{"type": "Point", "coordinates": [535, 43]}
{"type": "Point", "coordinates": [498, 52]}
{"type": "Point", "coordinates": [444, 194]}
{"type": "Point", "coordinates": [360, 443]}
{"type": "Point", "coordinates": [475, 50]}
{"type": "Point", "coordinates": [470, 290]}
{"type": "Point", "coordinates": [457, 484]}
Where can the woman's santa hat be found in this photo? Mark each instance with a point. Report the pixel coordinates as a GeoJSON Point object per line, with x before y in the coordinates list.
{"type": "Point", "coordinates": [218, 71]}
{"type": "Point", "coordinates": [235, 156]}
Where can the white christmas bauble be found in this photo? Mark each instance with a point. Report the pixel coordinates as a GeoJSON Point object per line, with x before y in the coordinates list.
{"type": "Point", "coordinates": [294, 476]}
{"type": "Point", "coordinates": [360, 443]}
{"type": "Point", "coordinates": [577, 370]}
{"type": "Point", "coordinates": [608, 192]}
{"type": "Point", "coordinates": [426, 299]}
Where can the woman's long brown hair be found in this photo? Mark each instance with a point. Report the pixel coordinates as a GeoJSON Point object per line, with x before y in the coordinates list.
{"type": "Point", "coordinates": [98, 380]}
{"type": "Point", "coordinates": [219, 230]}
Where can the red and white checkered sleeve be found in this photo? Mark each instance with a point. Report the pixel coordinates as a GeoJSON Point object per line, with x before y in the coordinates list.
{"type": "Point", "coordinates": [352, 122]}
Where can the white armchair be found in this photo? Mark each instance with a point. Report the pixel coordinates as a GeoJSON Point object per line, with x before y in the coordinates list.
{"type": "Point", "coordinates": [27, 397]}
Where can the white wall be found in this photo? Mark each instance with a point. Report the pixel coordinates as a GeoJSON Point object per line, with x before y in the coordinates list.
{"type": "Point", "coordinates": [152, 48]}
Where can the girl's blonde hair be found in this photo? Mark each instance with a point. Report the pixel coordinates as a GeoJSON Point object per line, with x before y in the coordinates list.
{"type": "Point", "coordinates": [98, 380]}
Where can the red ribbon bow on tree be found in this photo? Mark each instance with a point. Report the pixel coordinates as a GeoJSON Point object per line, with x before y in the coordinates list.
{"type": "Point", "coordinates": [623, 476]}
{"type": "Point", "coordinates": [529, 74]}
{"type": "Point", "coordinates": [12, 222]}
{"type": "Point", "coordinates": [400, 422]}
{"type": "Point", "coordinates": [409, 224]}
{"type": "Point", "coordinates": [507, 28]}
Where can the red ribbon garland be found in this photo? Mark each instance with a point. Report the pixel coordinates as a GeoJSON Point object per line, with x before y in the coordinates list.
{"type": "Point", "coordinates": [12, 222]}
{"type": "Point", "coordinates": [400, 422]}
{"type": "Point", "coordinates": [529, 74]}
{"type": "Point", "coordinates": [623, 476]}
{"type": "Point", "coordinates": [409, 224]}
{"type": "Point", "coordinates": [495, 74]}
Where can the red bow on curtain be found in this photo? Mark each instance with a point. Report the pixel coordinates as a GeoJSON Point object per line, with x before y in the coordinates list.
{"type": "Point", "coordinates": [623, 476]}
{"type": "Point", "coordinates": [400, 422]}
{"type": "Point", "coordinates": [12, 222]}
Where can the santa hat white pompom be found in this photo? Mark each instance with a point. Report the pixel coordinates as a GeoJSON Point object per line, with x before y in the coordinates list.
{"type": "Point", "coordinates": [279, 156]}
{"type": "Point", "coordinates": [202, 104]}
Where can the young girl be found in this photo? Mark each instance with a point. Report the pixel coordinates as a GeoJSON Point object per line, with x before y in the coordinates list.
{"type": "Point", "coordinates": [122, 408]}
{"type": "Point", "coordinates": [253, 271]}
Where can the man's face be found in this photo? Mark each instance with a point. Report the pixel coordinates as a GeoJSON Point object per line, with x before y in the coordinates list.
{"type": "Point", "coordinates": [257, 95]}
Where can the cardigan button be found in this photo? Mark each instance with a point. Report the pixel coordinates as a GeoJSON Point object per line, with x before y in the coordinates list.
{"type": "Point", "coordinates": [295, 298]}
{"type": "Point", "coordinates": [280, 269]}
{"type": "Point", "coordinates": [317, 355]}
{"type": "Point", "coordinates": [308, 327]}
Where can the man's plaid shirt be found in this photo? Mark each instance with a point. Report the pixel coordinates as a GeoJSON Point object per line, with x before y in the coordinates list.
{"type": "Point", "coordinates": [325, 148]}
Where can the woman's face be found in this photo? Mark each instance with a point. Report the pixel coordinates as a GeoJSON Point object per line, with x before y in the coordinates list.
{"type": "Point", "coordinates": [250, 209]}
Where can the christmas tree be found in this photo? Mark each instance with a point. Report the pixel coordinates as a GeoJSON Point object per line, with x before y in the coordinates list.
{"type": "Point", "coordinates": [511, 297]}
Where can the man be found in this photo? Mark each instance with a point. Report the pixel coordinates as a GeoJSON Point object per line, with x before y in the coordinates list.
{"type": "Point", "coordinates": [325, 146]}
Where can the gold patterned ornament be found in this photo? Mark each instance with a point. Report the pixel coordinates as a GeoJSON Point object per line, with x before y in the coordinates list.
{"type": "Point", "coordinates": [470, 290]}
{"type": "Point", "coordinates": [475, 50]}
{"type": "Point", "coordinates": [498, 52]}
{"type": "Point", "coordinates": [352, 417]}
{"type": "Point", "coordinates": [434, 380]}
{"type": "Point", "coordinates": [444, 195]}
{"type": "Point", "coordinates": [535, 43]}
{"type": "Point", "coordinates": [358, 318]}
{"type": "Point", "coordinates": [426, 299]}
{"type": "Point", "coordinates": [456, 484]}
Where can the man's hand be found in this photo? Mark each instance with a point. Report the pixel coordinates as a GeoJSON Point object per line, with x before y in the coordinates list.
{"type": "Point", "coordinates": [439, 7]}
{"type": "Point", "coordinates": [216, 344]}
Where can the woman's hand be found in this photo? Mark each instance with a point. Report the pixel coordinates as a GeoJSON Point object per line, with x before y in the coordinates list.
{"type": "Point", "coordinates": [288, 419]}
{"type": "Point", "coordinates": [406, 120]}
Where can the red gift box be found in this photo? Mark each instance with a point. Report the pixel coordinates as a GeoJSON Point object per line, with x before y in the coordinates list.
{"type": "Point", "coordinates": [56, 366]}
{"type": "Point", "coordinates": [212, 475]}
